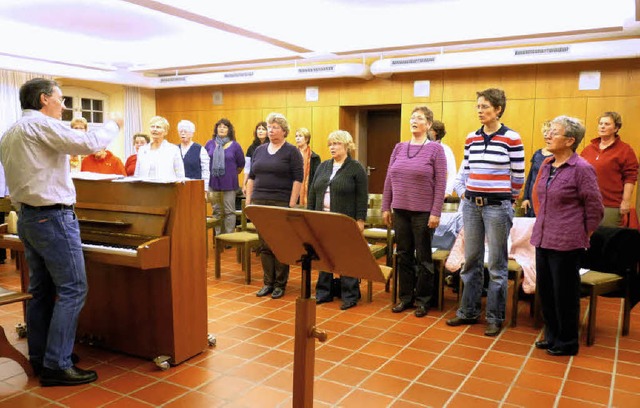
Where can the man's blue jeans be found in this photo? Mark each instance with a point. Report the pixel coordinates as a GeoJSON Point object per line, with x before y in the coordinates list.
{"type": "Point", "coordinates": [58, 283]}
{"type": "Point", "coordinates": [495, 222]}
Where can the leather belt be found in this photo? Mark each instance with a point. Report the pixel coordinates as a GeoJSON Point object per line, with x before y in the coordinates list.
{"type": "Point", "coordinates": [482, 201]}
{"type": "Point", "coordinates": [48, 207]}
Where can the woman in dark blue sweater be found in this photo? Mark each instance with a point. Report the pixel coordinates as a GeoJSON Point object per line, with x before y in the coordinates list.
{"type": "Point", "coordinates": [340, 185]}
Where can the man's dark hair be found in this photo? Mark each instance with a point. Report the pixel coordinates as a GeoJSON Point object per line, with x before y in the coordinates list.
{"type": "Point", "coordinates": [31, 90]}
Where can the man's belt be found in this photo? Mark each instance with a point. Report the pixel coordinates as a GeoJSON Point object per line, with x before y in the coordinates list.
{"type": "Point", "coordinates": [48, 207]}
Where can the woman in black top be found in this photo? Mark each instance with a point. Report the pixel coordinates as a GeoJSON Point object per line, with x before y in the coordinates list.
{"type": "Point", "coordinates": [340, 185]}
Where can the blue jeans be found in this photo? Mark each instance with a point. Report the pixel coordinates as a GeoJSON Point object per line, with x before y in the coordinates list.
{"type": "Point", "coordinates": [58, 283]}
{"type": "Point", "coordinates": [495, 222]}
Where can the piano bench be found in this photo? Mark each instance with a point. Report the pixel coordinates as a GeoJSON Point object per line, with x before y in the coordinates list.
{"type": "Point", "coordinates": [244, 242]}
{"type": "Point", "coordinates": [7, 350]}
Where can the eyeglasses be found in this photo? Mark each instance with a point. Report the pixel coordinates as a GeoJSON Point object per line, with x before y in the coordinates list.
{"type": "Point", "coordinates": [274, 128]}
{"type": "Point", "coordinates": [551, 133]}
{"type": "Point", "coordinates": [483, 107]}
{"type": "Point", "coordinates": [418, 117]}
{"type": "Point", "coordinates": [59, 99]}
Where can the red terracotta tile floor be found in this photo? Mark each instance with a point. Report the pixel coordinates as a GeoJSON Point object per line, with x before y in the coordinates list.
{"type": "Point", "coordinates": [372, 358]}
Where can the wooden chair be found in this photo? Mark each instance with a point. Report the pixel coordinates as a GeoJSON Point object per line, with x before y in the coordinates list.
{"type": "Point", "coordinates": [594, 284]}
{"type": "Point", "coordinates": [243, 240]}
{"type": "Point", "coordinates": [614, 271]}
{"type": "Point", "coordinates": [376, 231]}
{"type": "Point", "coordinates": [6, 207]}
{"type": "Point", "coordinates": [7, 350]}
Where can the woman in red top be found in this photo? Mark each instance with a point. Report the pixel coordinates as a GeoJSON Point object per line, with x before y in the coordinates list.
{"type": "Point", "coordinates": [139, 139]}
{"type": "Point", "coordinates": [616, 166]}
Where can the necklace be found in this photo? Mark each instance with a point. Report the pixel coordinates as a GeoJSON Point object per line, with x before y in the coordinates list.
{"type": "Point", "coordinates": [418, 152]}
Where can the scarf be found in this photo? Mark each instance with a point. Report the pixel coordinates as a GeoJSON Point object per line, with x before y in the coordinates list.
{"type": "Point", "coordinates": [306, 156]}
{"type": "Point", "coordinates": [217, 159]}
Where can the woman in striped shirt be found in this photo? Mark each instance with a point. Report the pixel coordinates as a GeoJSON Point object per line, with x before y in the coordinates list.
{"type": "Point", "coordinates": [493, 170]}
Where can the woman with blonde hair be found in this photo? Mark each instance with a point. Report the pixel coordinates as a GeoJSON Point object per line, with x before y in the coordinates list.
{"type": "Point", "coordinates": [340, 186]}
{"type": "Point", "coordinates": [311, 161]}
{"type": "Point", "coordinates": [159, 160]}
{"type": "Point", "coordinates": [76, 160]}
{"type": "Point", "coordinates": [536, 162]}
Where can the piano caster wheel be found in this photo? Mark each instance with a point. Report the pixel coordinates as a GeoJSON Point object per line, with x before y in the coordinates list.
{"type": "Point", "coordinates": [21, 329]}
{"type": "Point", "coordinates": [162, 362]}
{"type": "Point", "coordinates": [211, 339]}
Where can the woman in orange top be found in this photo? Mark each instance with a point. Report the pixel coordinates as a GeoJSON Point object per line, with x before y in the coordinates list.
{"type": "Point", "coordinates": [103, 162]}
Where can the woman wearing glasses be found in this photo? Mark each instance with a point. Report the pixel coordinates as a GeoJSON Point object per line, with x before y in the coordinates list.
{"type": "Point", "coordinates": [414, 189]}
{"type": "Point", "coordinates": [493, 174]}
{"type": "Point", "coordinates": [275, 179]}
{"type": "Point", "coordinates": [570, 210]}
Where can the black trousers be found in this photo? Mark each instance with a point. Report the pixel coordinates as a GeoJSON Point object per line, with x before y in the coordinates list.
{"type": "Point", "coordinates": [415, 265]}
{"type": "Point", "coordinates": [558, 283]}
{"type": "Point", "coordinates": [276, 274]}
{"type": "Point", "coordinates": [349, 287]}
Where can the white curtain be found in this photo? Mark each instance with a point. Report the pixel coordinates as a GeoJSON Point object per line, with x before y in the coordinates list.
{"type": "Point", "coordinates": [132, 118]}
{"type": "Point", "coordinates": [10, 111]}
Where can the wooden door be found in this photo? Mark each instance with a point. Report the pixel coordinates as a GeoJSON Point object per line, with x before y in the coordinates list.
{"type": "Point", "coordinates": [383, 132]}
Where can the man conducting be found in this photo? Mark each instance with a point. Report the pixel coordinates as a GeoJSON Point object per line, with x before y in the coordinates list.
{"type": "Point", "coordinates": [35, 155]}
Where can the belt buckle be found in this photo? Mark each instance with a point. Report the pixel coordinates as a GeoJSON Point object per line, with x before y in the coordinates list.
{"type": "Point", "coordinates": [479, 201]}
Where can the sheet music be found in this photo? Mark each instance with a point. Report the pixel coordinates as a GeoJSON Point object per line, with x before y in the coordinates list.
{"type": "Point", "coordinates": [87, 175]}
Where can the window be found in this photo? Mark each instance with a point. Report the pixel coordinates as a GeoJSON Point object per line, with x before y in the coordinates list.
{"type": "Point", "coordinates": [86, 103]}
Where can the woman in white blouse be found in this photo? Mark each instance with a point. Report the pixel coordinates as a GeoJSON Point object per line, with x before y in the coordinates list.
{"type": "Point", "coordinates": [159, 160]}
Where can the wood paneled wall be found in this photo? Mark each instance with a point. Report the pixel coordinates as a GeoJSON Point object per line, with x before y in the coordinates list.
{"type": "Point", "coordinates": [535, 93]}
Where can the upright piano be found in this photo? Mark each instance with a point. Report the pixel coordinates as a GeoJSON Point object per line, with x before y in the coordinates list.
{"type": "Point", "coordinates": [145, 254]}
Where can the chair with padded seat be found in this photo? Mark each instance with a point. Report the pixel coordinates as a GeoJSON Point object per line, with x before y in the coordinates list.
{"type": "Point", "coordinates": [613, 265]}
{"type": "Point", "coordinates": [380, 238]}
{"type": "Point", "coordinates": [244, 241]}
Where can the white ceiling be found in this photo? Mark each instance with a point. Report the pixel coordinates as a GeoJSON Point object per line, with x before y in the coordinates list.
{"type": "Point", "coordinates": [126, 41]}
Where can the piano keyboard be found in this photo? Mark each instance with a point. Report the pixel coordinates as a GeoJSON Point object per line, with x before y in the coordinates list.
{"type": "Point", "coordinates": [105, 249]}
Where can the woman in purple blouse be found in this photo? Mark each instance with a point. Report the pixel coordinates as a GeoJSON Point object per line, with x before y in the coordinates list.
{"type": "Point", "coordinates": [227, 161]}
{"type": "Point", "coordinates": [570, 209]}
{"type": "Point", "coordinates": [414, 190]}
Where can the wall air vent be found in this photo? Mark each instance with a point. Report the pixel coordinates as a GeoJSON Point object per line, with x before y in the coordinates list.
{"type": "Point", "coordinates": [239, 74]}
{"type": "Point", "coordinates": [542, 51]}
{"type": "Point", "coordinates": [317, 69]}
{"type": "Point", "coordinates": [173, 79]}
{"type": "Point", "coordinates": [295, 73]}
{"type": "Point", "coordinates": [409, 61]}
{"type": "Point", "coordinates": [500, 57]}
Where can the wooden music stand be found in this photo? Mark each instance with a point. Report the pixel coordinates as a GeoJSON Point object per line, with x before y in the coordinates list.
{"type": "Point", "coordinates": [336, 244]}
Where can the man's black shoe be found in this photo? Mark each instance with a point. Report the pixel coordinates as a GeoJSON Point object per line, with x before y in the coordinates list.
{"type": "Point", "coordinates": [347, 305]}
{"type": "Point", "coordinates": [421, 311]}
{"type": "Point", "coordinates": [543, 345]}
{"type": "Point", "coordinates": [401, 307]}
{"type": "Point", "coordinates": [459, 321]}
{"type": "Point", "coordinates": [71, 376]}
{"type": "Point", "coordinates": [264, 291]}
{"type": "Point", "coordinates": [37, 365]}
{"type": "Point", "coordinates": [558, 351]}
{"type": "Point", "coordinates": [323, 300]}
